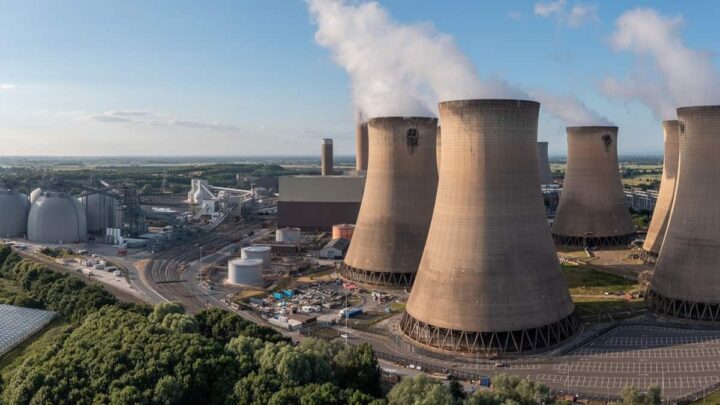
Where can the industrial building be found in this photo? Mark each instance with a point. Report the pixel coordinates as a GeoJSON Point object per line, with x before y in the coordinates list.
{"type": "Point", "coordinates": [245, 271]}
{"type": "Point", "coordinates": [335, 249]}
{"type": "Point", "coordinates": [343, 231]}
{"type": "Point", "coordinates": [14, 209]}
{"type": "Point", "coordinates": [361, 147]}
{"type": "Point", "coordinates": [102, 211]}
{"type": "Point", "coordinates": [639, 199]}
{"type": "Point", "coordinates": [546, 176]}
{"type": "Point", "coordinates": [661, 213]}
{"type": "Point", "coordinates": [592, 209]}
{"type": "Point", "coordinates": [397, 206]}
{"type": "Point", "coordinates": [489, 279]}
{"type": "Point", "coordinates": [319, 202]}
{"type": "Point", "coordinates": [56, 218]}
{"type": "Point", "coordinates": [686, 282]}
{"type": "Point", "coordinates": [288, 235]}
{"type": "Point", "coordinates": [326, 158]}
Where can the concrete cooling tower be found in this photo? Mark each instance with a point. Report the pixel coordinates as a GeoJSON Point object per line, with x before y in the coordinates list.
{"type": "Point", "coordinates": [14, 209]}
{"type": "Point", "coordinates": [661, 214]}
{"type": "Point", "coordinates": [439, 147]}
{"type": "Point", "coordinates": [361, 147]}
{"type": "Point", "coordinates": [326, 157]}
{"type": "Point", "coordinates": [397, 205]}
{"type": "Point", "coordinates": [56, 218]}
{"type": "Point", "coordinates": [592, 209]}
{"type": "Point", "coordinates": [546, 176]}
{"type": "Point", "coordinates": [686, 283]}
{"type": "Point", "coordinates": [489, 279]}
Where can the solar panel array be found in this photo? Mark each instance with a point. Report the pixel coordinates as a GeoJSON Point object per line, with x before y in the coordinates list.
{"type": "Point", "coordinates": [18, 324]}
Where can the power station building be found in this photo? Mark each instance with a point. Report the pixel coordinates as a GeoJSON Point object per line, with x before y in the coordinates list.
{"type": "Point", "coordinates": [319, 202]}
{"type": "Point", "coordinates": [592, 209]}
{"type": "Point", "coordinates": [663, 204]}
{"type": "Point", "coordinates": [686, 282]}
{"type": "Point", "coordinates": [489, 279]}
{"type": "Point", "coordinates": [397, 206]}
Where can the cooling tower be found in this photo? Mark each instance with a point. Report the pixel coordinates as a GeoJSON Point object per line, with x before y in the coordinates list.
{"type": "Point", "coordinates": [56, 218]}
{"type": "Point", "coordinates": [592, 209]}
{"type": "Point", "coordinates": [326, 157]}
{"type": "Point", "coordinates": [438, 147]}
{"type": "Point", "coordinates": [546, 176]}
{"type": "Point", "coordinates": [14, 209]}
{"type": "Point", "coordinates": [489, 279]}
{"type": "Point", "coordinates": [397, 205]}
{"type": "Point", "coordinates": [686, 283]}
{"type": "Point", "coordinates": [361, 147]}
{"type": "Point", "coordinates": [661, 214]}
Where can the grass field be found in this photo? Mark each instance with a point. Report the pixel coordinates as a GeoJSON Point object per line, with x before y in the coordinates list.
{"type": "Point", "coordinates": [40, 341]}
{"type": "Point", "coordinates": [641, 179]}
{"type": "Point", "coordinates": [583, 280]}
{"type": "Point", "coordinates": [9, 290]}
{"type": "Point", "coordinates": [611, 305]}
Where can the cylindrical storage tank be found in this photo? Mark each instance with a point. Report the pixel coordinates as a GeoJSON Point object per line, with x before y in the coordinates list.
{"type": "Point", "coordinates": [257, 252]}
{"type": "Point", "coordinates": [288, 235]}
{"type": "Point", "coordinates": [14, 209]}
{"type": "Point", "coordinates": [326, 157]}
{"type": "Point", "coordinates": [343, 231]}
{"type": "Point", "coordinates": [35, 194]}
{"type": "Point", "coordinates": [245, 272]}
{"type": "Point", "coordinates": [56, 218]}
{"type": "Point", "coordinates": [663, 205]}
{"type": "Point", "coordinates": [361, 147]}
{"type": "Point", "coordinates": [397, 204]}
{"type": "Point", "coordinates": [99, 212]}
{"type": "Point", "coordinates": [489, 279]}
{"type": "Point", "coordinates": [686, 282]}
{"type": "Point", "coordinates": [546, 176]}
{"type": "Point", "coordinates": [592, 209]}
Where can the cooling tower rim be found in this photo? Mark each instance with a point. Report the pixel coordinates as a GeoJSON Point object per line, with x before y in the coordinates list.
{"type": "Point", "coordinates": [697, 109]}
{"type": "Point", "coordinates": [489, 102]}
{"type": "Point", "coordinates": [393, 118]}
{"type": "Point", "coordinates": [671, 122]}
{"type": "Point", "coordinates": [591, 128]}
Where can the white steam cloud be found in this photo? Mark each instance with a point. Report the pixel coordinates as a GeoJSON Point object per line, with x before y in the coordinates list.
{"type": "Point", "coordinates": [402, 70]}
{"type": "Point", "coordinates": [673, 76]}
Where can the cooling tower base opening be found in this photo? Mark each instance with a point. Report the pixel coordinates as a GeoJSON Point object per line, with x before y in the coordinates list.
{"type": "Point", "coordinates": [379, 278]}
{"type": "Point", "coordinates": [517, 341]}
{"type": "Point", "coordinates": [594, 241]}
{"type": "Point", "coordinates": [677, 308]}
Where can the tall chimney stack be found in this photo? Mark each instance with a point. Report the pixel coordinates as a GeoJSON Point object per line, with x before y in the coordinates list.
{"type": "Point", "coordinates": [326, 157]}
{"type": "Point", "coordinates": [489, 279]}
{"type": "Point", "coordinates": [686, 282]}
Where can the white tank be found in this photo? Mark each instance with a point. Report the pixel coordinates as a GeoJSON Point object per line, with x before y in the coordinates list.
{"type": "Point", "coordinates": [56, 218]}
{"type": "Point", "coordinates": [202, 193]}
{"type": "Point", "coordinates": [287, 235]}
{"type": "Point", "coordinates": [14, 209]}
{"type": "Point", "coordinates": [245, 271]}
{"type": "Point", "coordinates": [257, 252]}
{"type": "Point", "coordinates": [35, 194]}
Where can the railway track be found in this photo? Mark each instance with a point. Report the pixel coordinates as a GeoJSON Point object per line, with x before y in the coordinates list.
{"type": "Point", "coordinates": [166, 271]}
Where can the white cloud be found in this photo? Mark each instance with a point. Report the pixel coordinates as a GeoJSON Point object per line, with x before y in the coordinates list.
{"type": "Point", "coordinates": [576, 16]}
{"type": "Point", "coordinates": [669, 74]}
{"type": "Point", "coordinates": [514, 15]}
{"type": "Point", "coordinates": [6, 86]}
{"type": "Point", "coordinates": [150, 118]}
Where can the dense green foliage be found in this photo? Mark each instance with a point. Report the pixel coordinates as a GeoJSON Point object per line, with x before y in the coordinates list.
{"type": "Point", "coordinates": [631, 396]}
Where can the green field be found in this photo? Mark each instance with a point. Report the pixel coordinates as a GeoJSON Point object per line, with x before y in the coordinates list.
{"type": "Point", "coordinates": [584, 280]}
{"type": "Point", "coordinates": [597, 306]}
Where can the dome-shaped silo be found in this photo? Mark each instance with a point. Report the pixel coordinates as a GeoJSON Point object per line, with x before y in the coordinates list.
{"type": "Point", "coordinates": [661, 213]}
{"type": "Point", "coordinates": [686, 282]}
{"type": "Point", "coordinates": [56, 218]}
{"type": "Point", "coordinates": [546, 176]}
{"type": "Point", "coordinates": [245, 271]}
{"type": "Point", "coordinates": [397, 204]}
{"type": "Point", "coordinates": [489, 279]}
{"type": "Point", "coordinates": [257, 252]}
{"type": "Point", "coordinates": [35, 194]}
{"type": "Point", "coordinates": [592, 209]}
{"type": "Point", "coordinates": [14, 209]}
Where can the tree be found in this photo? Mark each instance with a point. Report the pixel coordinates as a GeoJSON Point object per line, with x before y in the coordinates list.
{"type": "Point", "coordinates": [357, 367]}
{"type": "Point", "coordinates": [420, 390]}
{"type": "Point", "coordinates": [456, 390]}
{"type": "Point", "coordinates": [166, 308]}
{"type": "Point", "coordinates": [631, 396]}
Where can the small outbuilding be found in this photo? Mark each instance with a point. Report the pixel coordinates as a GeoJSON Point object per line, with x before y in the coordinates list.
{"type": "Point", "coordinates": [335, 249]}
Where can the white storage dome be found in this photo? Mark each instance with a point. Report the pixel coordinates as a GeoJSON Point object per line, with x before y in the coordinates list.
{"type": "Point", "coordinates": [56, 218]}
{"type": "Point", "coordinates": [14, 209]}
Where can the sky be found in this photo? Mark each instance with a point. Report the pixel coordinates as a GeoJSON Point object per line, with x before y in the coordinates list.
{"type": "Point", "coordinates": [242, 78]}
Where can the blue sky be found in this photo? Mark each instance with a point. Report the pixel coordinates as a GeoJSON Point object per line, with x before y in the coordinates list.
{"type": "Point", "coordinates": [247, 78]}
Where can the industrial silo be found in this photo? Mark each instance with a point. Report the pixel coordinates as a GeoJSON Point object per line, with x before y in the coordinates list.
{"type": "Point", "coordinates": [100, 212]}
{"type": "Point", "coordinates": [489, 279]}
{"type": "Point", "coordinates": [257, 252]}
{"type": "Point", "coordinates": [592, 209]}
{"type": "Point", "coordinates": [326, 157]}
{"type": "Point", "coordinates": [35, 194]}
{"type": "Point", "coordinates": [14, 209]}
{"type": "Point", "coordinates": [397, 203]}
{"type": "Point", "coordinates": [661, 213]}
{"type": "Point", "coordinates": [361, 147]}
{"type": "Point", "coordinates": [288, 235]}
{"type": "Point", "coordinates": [546, 176]}
{"type": "Point", "coordinates": [202, 192]}
{"type": "Point", "coordinates": [686, 282]}
{"type": "Point", "coordinates": [245, 272]}
{"type": "Point", "coordinates": [56, 218]}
